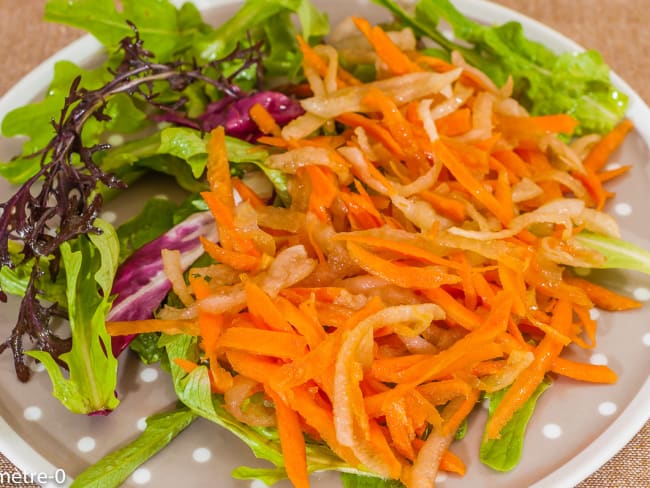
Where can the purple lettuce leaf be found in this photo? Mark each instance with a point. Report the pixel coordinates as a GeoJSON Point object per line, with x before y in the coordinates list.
{"type": "Point", "coordinates": [232, 112]}
{"type": "Point", "coordinates": [141, 284]}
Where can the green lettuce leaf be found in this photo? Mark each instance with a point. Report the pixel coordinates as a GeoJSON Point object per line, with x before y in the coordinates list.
{"type": "Point", "coordinates": [268, 21]}
{"type": "Point", "coordinates": [504, 453]}
{"type": "Point", "coordinates": [619, 253]}
{"type": "Point", "coordinates": [186, 144]}
{"type": "Point", "coordinates": [244, 152]}
{"type": "Point", "coordinates": [156, 218]}
{"type": "Point", "coordinates": [90, 263]}
{"type": "Point", "coordinates": [180, 152]}
{"type": "Point", "coordinates": [161, 26]}
{"type": "Point", "coordinates": [352, 480]}
{"type": "Point", "coordinates": [146, 347]}
{"type": "Point", "coordinates": [15, 280]}
{"type": "Point", "coordinates": [113, 469]}
{"type": "Point", "coordinates": [193, 390]}
{"type": "Point", "coordinates": [545, 82]}
{"type": "Point", "coordinates": [192, 204]}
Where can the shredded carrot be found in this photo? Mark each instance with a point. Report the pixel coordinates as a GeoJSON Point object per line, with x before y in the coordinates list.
{"type": "Point", "coordinates": [407, 276]}
{"type": "Point", "coordinates": [264, 120]}
{"type": "Point", "coordinates": [263, 342]}
{"type": "Point", "coordinates": [602, 297]}
{"type": "Point", "coordinates": [311, 57]}
{"type": "Point", "coordinates": [533, 127]}
{"type": "Point", "coordinates": [526, 383]}
{"type": "Point", "coordinates": [261, 306]}
{"type": "Point", "coordinates": [594, 373]}
{"type": "Point", "coordinates": [452, 463]}
{"type": "Point", "coordinates": [397, 61]}
{"type": "Point", "coordinates": [239, 261]}
{"type": "Point", "coordinates": [324, 190]}
{"type": "Point", "coordinates": [601, 152]}
{"type": "Point", "coordinates": [429, 244]}
{"type": "Point", "coordinates": [456, 312]}
{"type": "Point", "coordinates": [455, 123]}
{"type": "Point", "coordinates": [185, 365]}
{"type": "Point", "coordinates": [373, 129]}
{"type": "Point", "coordinates": [446, 206]}
{"type": "Point", "coordinates": [470, 183]}
{"type": "Point", "coordinates": [246, 193]}
{"type": "Point", "coordinates": [218, 167]}
{"type": "Point", "coordinates": [292, 441]}
{"type": "Point", "coordinates": [608, 175]}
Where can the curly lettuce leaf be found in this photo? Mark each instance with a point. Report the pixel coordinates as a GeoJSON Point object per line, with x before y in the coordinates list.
{"type": "Point", "coordinates": [90, 264]}
{"type": "Point", "coordinates": [34, 121]}
{"type": "Point", "coordinates": [113, 469]}
{"type": "Point", "coordinates": [504, 453]}
{"type": "Point", "coordinates": [575, 83]}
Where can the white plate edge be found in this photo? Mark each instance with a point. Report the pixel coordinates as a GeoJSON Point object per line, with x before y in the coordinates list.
{"type": "Point", "coordinates": [603, 448]}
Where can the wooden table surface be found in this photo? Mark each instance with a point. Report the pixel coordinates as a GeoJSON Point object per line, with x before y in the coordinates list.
{"type": "Point", "coordinates": [617, 28]}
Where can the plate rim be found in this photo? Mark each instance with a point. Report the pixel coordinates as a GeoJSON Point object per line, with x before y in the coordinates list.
{"type": "Point", "coordinates": [605, 446]}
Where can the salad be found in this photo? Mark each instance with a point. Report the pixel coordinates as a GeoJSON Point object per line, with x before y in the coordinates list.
{"type": "Point", "coordinates": [383, 227]}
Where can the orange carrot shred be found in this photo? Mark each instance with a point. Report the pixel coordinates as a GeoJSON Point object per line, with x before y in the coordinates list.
{"type": "Point", "coordinates": [218, 167]}
{"type": "Point", "coordinates": [264, 120]}
{"type": "Point", "coordinates": [394, 58]}
{"type": "Point", "coordinates": [292, 441]}
{"type": "Point", "coordinates": [601, 152]}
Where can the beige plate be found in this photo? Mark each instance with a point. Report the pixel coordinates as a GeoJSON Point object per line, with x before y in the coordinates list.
{"type": "Point", "coordinates": [593, 422]}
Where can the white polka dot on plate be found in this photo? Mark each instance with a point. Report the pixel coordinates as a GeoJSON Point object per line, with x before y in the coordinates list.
{"type": "Point", "coordinates": [149, 375]}
{"type": "Point", "coordinates": [642, 294]}
{"type": "Point", "coordinates": [646, 339]}
{"type": "Point", "coordinates": [32, 413]}
{"type": "Point", "coordinates": [141, 424]}
{"type": "Point", "coordinates": [623, 209]}
{"type": "Point", "coordinates": [441, 477]}
{"type": "Point", "coordinates": [141, 476]}
{"type": "Point", "coordinates": [116, 139]}
{"type": "Point", "coordinates": [607, 408]}
{"type": "Point", "coordinates": [109, 216]}
{"type": "Point", "coordinates": [201, 455]}
{"type": "Point", "coordinates": [552, 431]}
{"type": "Point", "coordinates": [594, 313]}
{"type": "Point", "coordinates": [86, 444]}
{"type": "Point", "coordinates": [258, 484]}
{"type": "Point", "coordinates": [37, 367]}
{"type": "Point", "coordinates": [598, 359]}
{"type": "Point", "coordinates": [612, 166]}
